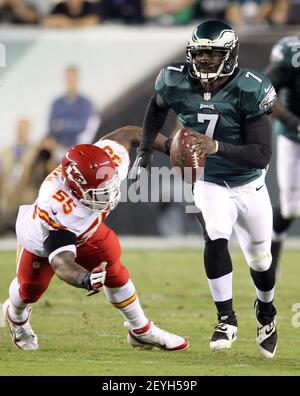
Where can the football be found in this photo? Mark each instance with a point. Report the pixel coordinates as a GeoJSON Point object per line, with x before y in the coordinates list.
{"type": "Point", "coordinates": [189, 165]}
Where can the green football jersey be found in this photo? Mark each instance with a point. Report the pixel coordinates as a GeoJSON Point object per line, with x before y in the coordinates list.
{"type": "Point", "coordinates": [286, 55]}
{"type": "Point", "coordinates": [220, 115]}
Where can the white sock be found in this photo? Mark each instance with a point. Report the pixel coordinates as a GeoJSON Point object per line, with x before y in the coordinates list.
{"type": "Point", "coordinates": [221, 288]}
{"type": "Point", "coordinates": [265, 297]}
{"type": "Point", "coordinates": [17, 309]}
{"type": "Point", "coordinates": [126, 300]}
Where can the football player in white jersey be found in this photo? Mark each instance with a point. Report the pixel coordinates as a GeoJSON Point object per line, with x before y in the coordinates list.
{"type": "Point", "coordinates": [63, 233]}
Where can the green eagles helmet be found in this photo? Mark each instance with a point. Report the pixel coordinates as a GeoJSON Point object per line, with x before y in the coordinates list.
{"type": "Point", "coordinates": [213, 36]}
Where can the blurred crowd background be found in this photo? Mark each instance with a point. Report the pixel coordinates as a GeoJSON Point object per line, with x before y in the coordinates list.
{"type": "Point", "coordinates": [76, 70]}
{"type": "Point", "coordinates": [80, 13]}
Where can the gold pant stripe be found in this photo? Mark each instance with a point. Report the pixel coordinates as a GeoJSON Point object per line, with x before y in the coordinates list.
{"type": "Point", "coordinates": [124, 303]}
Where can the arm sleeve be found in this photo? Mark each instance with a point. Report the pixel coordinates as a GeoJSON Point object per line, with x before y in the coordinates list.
{"type": "Point", "coordinates": [257, 150]}
{"type": "Point", "coordinates": [154, 119]}
{"type": "Point", "coordinates": [59, 241]}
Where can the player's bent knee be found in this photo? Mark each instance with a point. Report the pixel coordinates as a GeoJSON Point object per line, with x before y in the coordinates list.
{"type": "Point", "coordinates": [117, 275]}
{"type": "Point", "coordinates": [262, 262]}
{"type": "Point", "coordinates": [258, 256]}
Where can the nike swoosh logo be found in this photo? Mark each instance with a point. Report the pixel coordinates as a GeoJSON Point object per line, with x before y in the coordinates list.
{"type": "Point", "coordinates": [268, 89]}
{"type": "Point", "coordinates": [259, 188]}
{"type": "Point", "coordinates": [268, 332]}
{"type": "Point", "coordinates": [223, 328]}
{"type": "Point", "coordinates": [53, 212]}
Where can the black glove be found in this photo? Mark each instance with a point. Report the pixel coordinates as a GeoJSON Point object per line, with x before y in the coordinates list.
{"type": "Point", "coordinates": [143, 160]}
{"type": "Point", "coordinates": [168, 144]}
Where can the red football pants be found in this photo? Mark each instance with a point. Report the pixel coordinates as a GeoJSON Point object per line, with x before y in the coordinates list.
{"type": "Point", "coordinates": [35, 273]}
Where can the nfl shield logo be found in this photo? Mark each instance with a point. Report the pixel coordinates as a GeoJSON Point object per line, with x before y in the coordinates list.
{"type": "Point", "coordinates": [207, 96]}
{"type": "Point", "coordinates": [36, 265]}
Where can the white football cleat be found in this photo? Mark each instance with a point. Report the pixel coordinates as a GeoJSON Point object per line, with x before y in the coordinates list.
{"type": "Point", "coordinates": [225, 333]}
{"type": "Point", "coordinates": [266, 340]}
{"type": "Point", "coordinates": [22, 334]}
{"type": "Point", "coordinates": [153, 336]}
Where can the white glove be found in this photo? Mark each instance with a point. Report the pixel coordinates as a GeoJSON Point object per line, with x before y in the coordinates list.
{"type": "Point", "coordinates": [97, 277]}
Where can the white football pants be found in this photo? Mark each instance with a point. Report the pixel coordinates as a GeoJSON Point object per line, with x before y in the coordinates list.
{"type": "Point", "coordinates": [247, 210]}
{"type": "Point", "coordinates": [288, 175]}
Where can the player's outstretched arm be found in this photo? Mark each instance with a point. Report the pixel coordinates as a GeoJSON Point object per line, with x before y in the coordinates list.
{"type": "Point", "coordinates": [69, 271]}
{"type": "Point", "coordinates": [155, 116]}
{"type": "Point", "coordinates": [130, 136]}
{"type": "Point", "coordinates": [60, 247]}
{"type": "Point", "coordinates": [154, 119]}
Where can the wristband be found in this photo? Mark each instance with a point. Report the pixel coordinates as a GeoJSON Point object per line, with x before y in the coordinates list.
{"type": "Point", "coordinates": [83, 281]}
{"type": "Point", "coordinates": [217, 146]}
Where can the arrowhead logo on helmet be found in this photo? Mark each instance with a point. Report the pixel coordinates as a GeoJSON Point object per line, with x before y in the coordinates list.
{"type": "Point", "coordinates": [75, 175]}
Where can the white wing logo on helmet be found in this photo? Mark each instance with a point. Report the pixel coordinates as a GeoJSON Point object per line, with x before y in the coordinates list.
{"type": "Point", "coordinates": [230, 41]}
{"type": "Point", "coordinates": [75, 175]}
{"type": "Point", "coordinates": [225, 40]}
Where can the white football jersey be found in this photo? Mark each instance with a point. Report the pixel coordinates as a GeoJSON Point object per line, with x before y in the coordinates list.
{"type": "Point", "coordinates": [57, 209]}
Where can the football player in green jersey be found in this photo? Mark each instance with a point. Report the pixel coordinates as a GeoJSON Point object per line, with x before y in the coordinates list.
{"type": "Point", "coordinates": [226, 108]}
{"type": "Point", "coordinates": [284, 72]}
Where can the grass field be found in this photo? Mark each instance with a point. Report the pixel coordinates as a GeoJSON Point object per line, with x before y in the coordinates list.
{"type": "Point", "coordinates": [85, 336]}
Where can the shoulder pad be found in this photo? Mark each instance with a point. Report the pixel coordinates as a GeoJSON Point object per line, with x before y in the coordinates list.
{"type": "Point", "coordinates": [251, 80]}
{"type": "Point", "coordinates": [258, 94]}
{"type": "Point", "coordinates": [48, 188]}
{"type": "Point", "coordinates": [118, 154]}
{"type": "Point", "coordinates": [172, 74]}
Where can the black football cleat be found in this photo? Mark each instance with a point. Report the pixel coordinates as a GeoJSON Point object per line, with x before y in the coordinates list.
{"type": "Point", "coordinates": [266, 339]}
{"type": "Point", "coordinates": [225, 333]}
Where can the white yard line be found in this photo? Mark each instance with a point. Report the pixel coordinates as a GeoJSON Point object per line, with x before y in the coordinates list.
{"type": "Point", "coordinates": [159, 243]}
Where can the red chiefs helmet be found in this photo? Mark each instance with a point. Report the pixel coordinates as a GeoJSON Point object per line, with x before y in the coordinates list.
{"type": "Point", "coordinates": [92, 177]}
